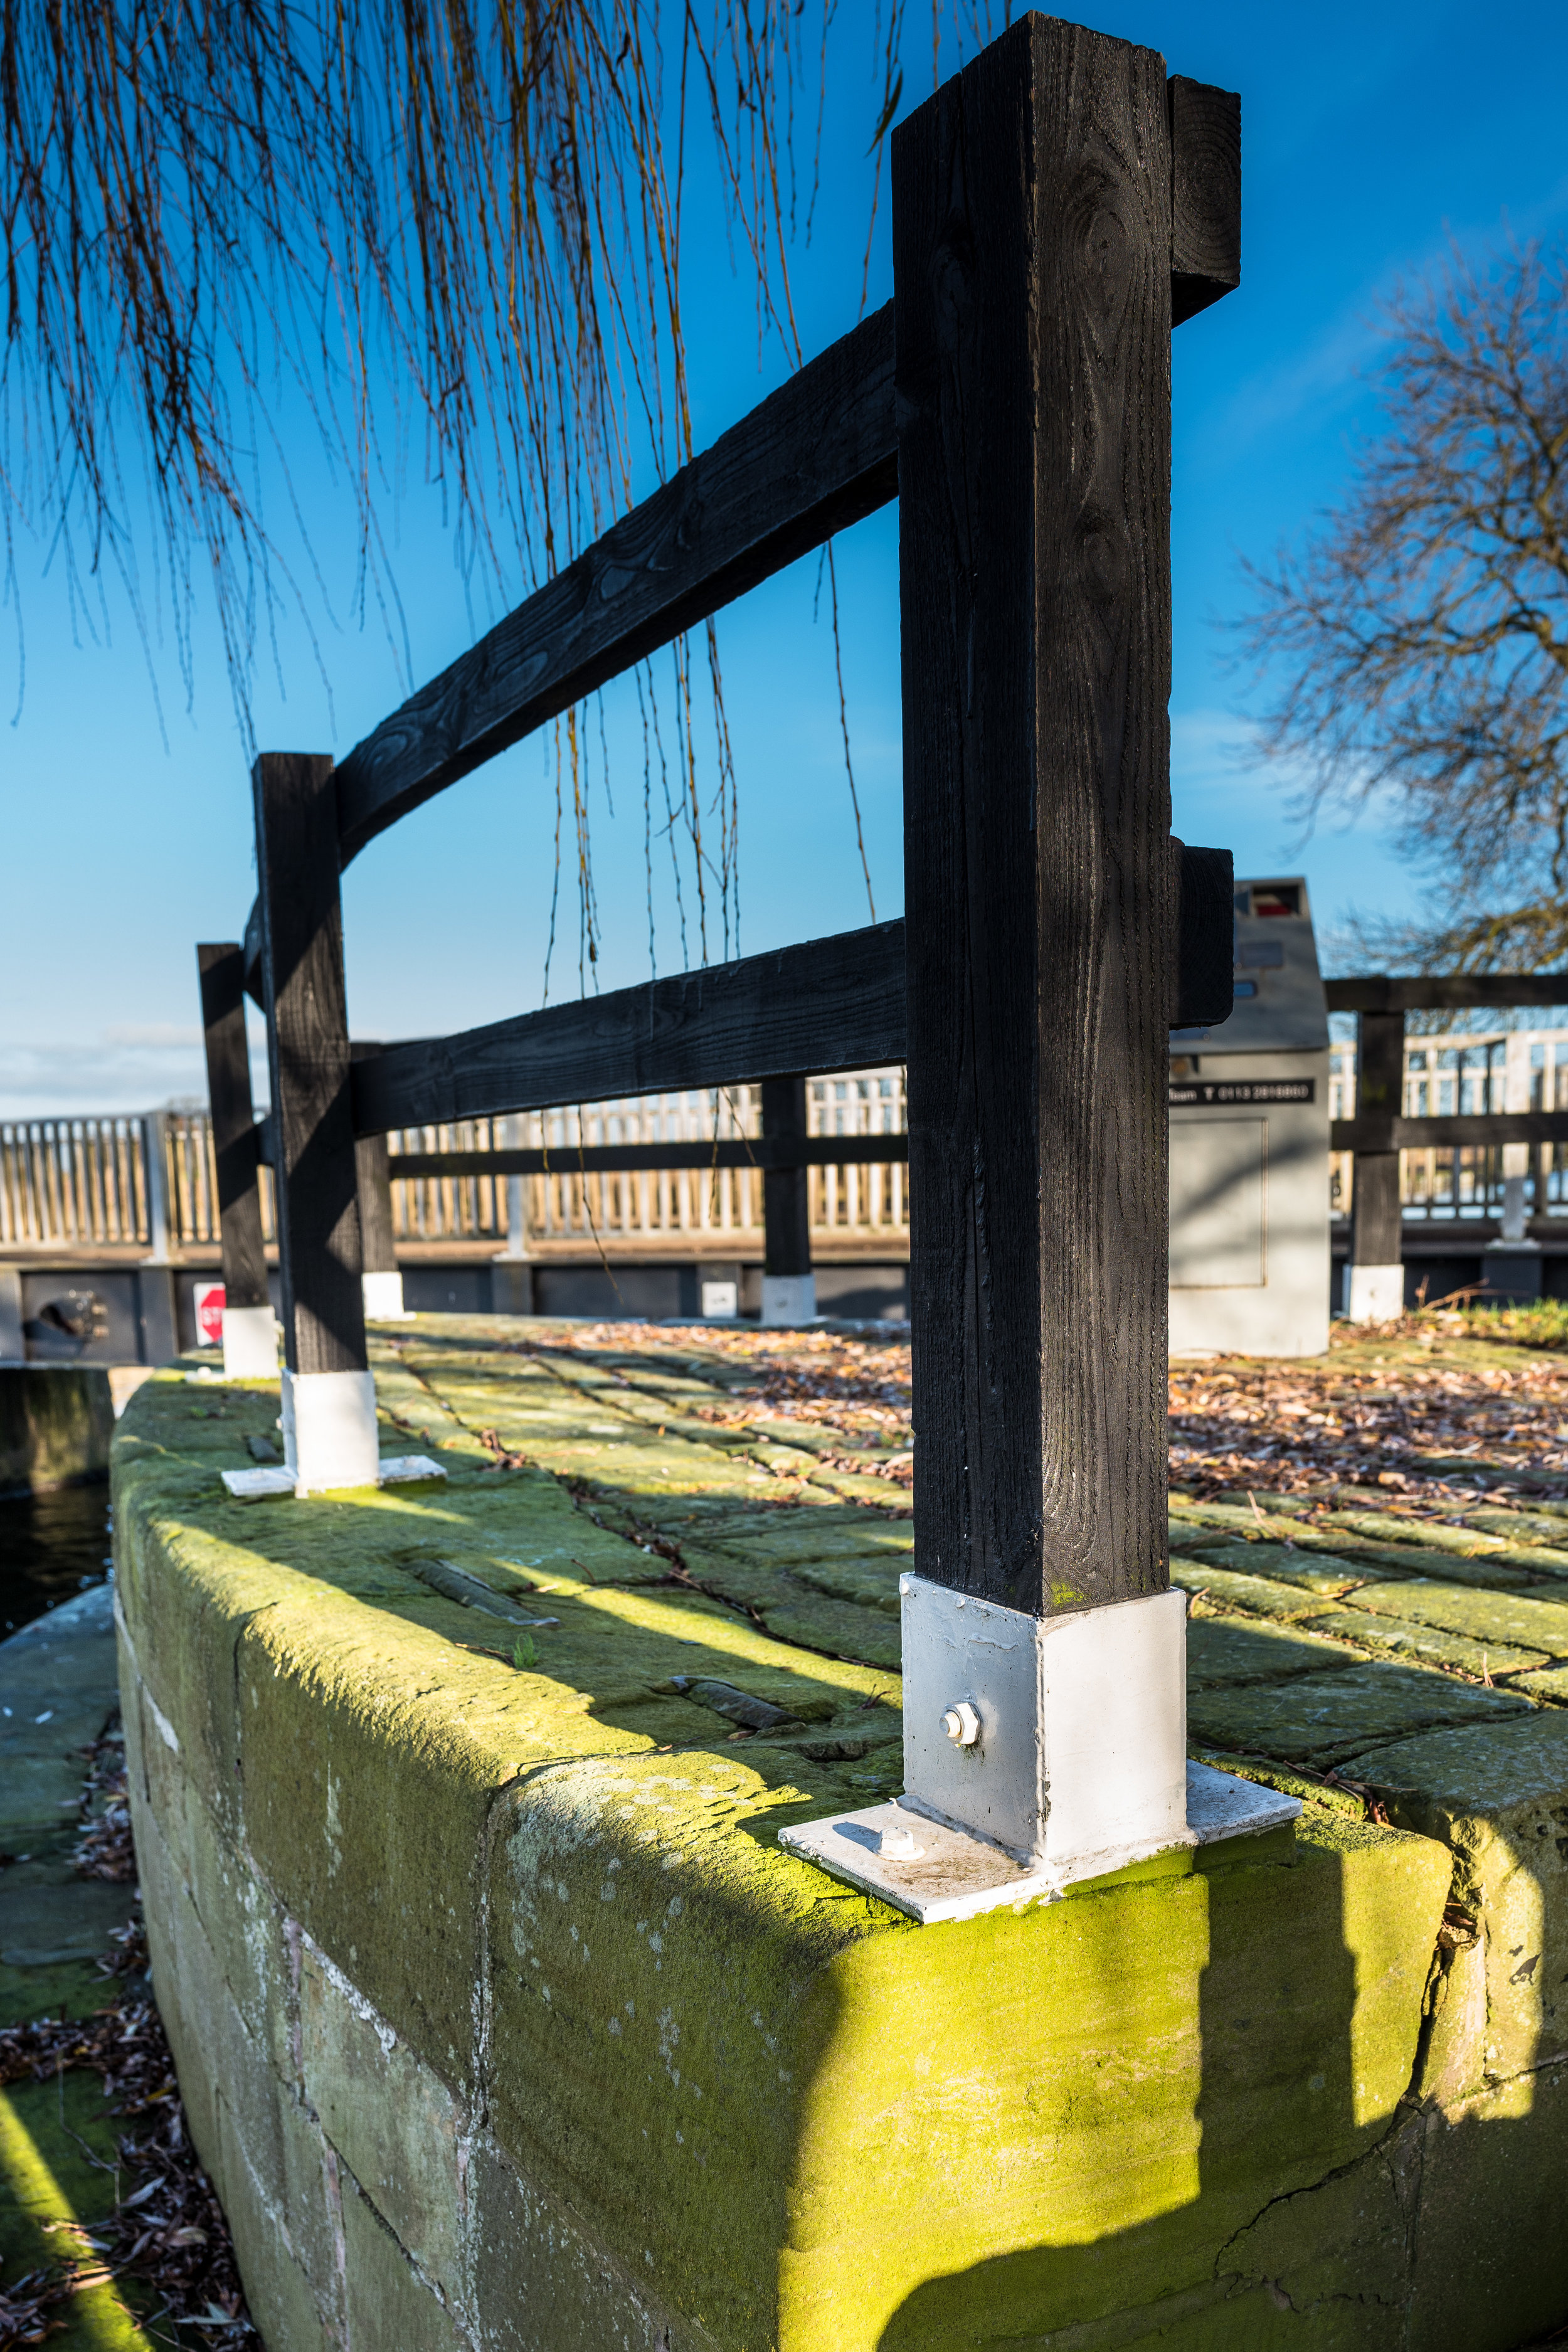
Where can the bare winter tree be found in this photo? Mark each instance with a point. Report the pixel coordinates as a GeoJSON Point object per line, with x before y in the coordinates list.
{"type": "Point", "coordinates": [455, 228]}
{"type": "Point", "coordinates": [1423, 638]}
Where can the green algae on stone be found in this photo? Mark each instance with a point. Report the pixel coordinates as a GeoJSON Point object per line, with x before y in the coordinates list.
{"type": "Point", "coordinates": [1549, 1682]}
{"type": "Point", "coordinates": [868, 1583]}
{"type": "Point", "coordinates": [1398, 1638]}
{"type": "Point", "coordinates": [1260, 1594]}
{"type": "Point", "coordinates": [1314, 1572]}
{"type": "Point", "coordinates": [727, 2072]}
{"type": "Point", "coordinates": [1501, 1617]}
{"type": "Point", "coordinates": [1289, 1784]}
{"type": "Point", "coordinates": [1324, 1720]}
{"type": "Point", "coordinates": [58, 2152]}
{"type": "Point", "coordinates": [1221, 1651]}
{"type": "Point", "coordinates": [1487, 2236]}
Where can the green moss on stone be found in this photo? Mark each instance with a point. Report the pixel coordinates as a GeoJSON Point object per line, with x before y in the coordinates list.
{"type": "Point", "coordinates": [1375, 1630]}
{"type": "Point", "coordinates": [1223, 1651]}
{"type": "Point", "coordinates": [1324, 1719]}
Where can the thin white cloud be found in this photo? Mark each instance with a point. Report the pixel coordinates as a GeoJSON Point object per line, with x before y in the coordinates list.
{"type": "Point", "coordinates": [108, 1079]}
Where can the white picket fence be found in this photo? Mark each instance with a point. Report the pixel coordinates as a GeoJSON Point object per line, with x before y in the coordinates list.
{"type": "Point", "coordinates": [121, 1182]}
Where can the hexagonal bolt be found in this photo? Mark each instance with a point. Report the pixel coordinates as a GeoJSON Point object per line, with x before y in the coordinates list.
{"type": "Point", "coordinates": [961, 1724]}
{"type": "Point", "coordinates": [899, 1844]}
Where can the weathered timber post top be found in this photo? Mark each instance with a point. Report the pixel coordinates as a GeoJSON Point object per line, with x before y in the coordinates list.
{"type": "Point", "coordinates": [1057, 207]}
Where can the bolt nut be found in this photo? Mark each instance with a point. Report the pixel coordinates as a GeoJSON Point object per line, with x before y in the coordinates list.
{"type": "Point", "coordinates": [961, 1724]}
{"type": "Point", "coordinates": [899, 1844]}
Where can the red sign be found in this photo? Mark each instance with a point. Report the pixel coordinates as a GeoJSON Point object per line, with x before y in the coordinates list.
{"type": "Point", "coordinates": [209, 1314]}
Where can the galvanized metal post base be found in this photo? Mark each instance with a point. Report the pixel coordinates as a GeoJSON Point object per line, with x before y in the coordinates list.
{"type": "Point", "coordinates": [1038, 1752]}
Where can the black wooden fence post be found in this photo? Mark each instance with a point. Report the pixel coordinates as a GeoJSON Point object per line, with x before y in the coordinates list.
{"type": "Point", "coordinates": [328, 1395]}
{"type": "Point", "coordinates": [249, 1344]}
{"type": "Point", "coordinates": [1376, 1272]}
{"type": "Point", "coordinates": [1032, 238]}
{"type": "Point", "coordinates": [789, 1285]}
{"type": "Point", "coordinates": [381, 1282]}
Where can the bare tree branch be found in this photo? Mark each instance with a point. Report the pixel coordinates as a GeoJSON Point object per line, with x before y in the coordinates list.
{"type": "Point", "coordinates": [1422, 640]}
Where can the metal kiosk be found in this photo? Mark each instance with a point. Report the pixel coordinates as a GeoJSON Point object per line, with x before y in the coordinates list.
{"type": "Point", "coordinates": [1249, 1145]}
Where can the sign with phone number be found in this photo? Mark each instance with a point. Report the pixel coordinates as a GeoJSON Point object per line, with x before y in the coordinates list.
{"type": "Point", "coordinates": [1205, 1094]}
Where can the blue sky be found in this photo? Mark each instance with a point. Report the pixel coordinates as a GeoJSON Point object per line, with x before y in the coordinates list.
{"type": "Point", "coordinates": [1370, 138]}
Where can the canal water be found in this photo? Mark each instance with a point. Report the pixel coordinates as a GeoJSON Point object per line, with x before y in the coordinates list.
{"type": "Point", "coordinates": [52, 1546]}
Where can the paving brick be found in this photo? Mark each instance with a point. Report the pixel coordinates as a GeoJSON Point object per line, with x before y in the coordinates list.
{"type": "Point", "coordinates": [1324, 1719]}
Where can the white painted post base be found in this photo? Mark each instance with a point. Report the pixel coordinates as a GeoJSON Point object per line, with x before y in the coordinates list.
{"type": "Point", "coordinates": [249, 1344]}
{"type": "Point", "coordinates": [789, 1297]}
{"type": "Point", "coordinates": [383, 1298]}
{"type": "Point", "coordinates": [329, 1431]}
{"type": "Point", "coordinates": [1038, 1752]}
{"type": "Point", "coordinates": [1376, 1294]}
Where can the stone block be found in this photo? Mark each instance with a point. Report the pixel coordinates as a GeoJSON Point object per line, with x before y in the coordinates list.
{"type": "Point", "coordinates": [1545, 1682]}
{"type": "Point", "coordinates": [1312, 1571]}
{"type": "Point", "coordinates": [280, 2168]}
{"type": "Point", "coordinates": [390, 2308]}
{"type": "Point", "coordinates": [1495, 1618]}
{"type": "Point", "coordinates": [39, 1797]}
{"type": "Point", "coordinates": [1260, 1596]}
{"type": "Point", "coordinates": [56, 1424]}
{"type": "Point", "coordinates": [1225, 1650]}
{"type": "Point", "coordinates": [180, 1987]}
{"type": "Point", "coordinates": [1430, 1644]}
{"type": "Point", "coordinates": [162, 1782]}
{"type": "Point", "coordinates": [540, 2283]}
{"type": "Point", "coordinates": [1490, 2267]}
{"type": "Point", "coordinates": [1497, 1798]}
{"type": "Point", "coordinates": [369, 1778]}
{"type": "Point", "coordinates": [184, 1595]}
{"type": "Point", "coordinates": [46, 1920]}
{"type": "Point", "coordinates": [278, 2293]}
{"type": "Point", "coordinates": [1343, 2241]}
{"type": "Point", "coordinates": [374, 1748]}
{"type": "Point", "coordinates": [728, 2101]}
{"type": "Point", "coordinates": [247, 1932]}
{"type": "Point", "coordinates": [1324, 1720]}
{"type": "Point", "coordinates": [391, 2120]}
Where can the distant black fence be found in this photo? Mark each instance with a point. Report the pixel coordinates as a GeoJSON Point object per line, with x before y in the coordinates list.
{"type": "Point", "coordinates": [1381, 1130]}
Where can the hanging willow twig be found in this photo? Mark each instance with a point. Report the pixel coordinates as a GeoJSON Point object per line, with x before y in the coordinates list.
{"type": "Point", "coordinates": [230, 223]}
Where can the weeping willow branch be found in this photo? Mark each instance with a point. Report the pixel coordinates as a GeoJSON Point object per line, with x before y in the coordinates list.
{"type": "Point", "coordinates": [234, 228]}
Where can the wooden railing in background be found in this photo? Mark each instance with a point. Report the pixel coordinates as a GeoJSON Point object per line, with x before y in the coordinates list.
{"type": "Point", "coordinates": [71, 1185]}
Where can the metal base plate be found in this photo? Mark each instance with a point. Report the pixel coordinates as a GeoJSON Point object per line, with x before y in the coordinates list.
{"type": "Point", "coordinates": [956, 1874]}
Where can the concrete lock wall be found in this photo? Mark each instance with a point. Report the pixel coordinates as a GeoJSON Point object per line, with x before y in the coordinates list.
{"type": "Point", "coordinates": [502, 2020]}
{"type": "Point", "coordinates": [55, 1424]}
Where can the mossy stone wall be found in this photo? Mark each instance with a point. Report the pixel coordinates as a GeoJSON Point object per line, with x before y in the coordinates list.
{"type": "Point", "coordinates": [503, 2019]}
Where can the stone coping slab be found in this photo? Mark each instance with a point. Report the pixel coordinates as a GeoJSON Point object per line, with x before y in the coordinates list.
{"type": "Point", "coordinates": [500, 2007]}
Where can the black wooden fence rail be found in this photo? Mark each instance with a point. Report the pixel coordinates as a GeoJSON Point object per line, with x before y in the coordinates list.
{"type": "Point", "coordinates": [1380, 1131]}
{"type": "Point", "coordinates": [1057, 209]}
